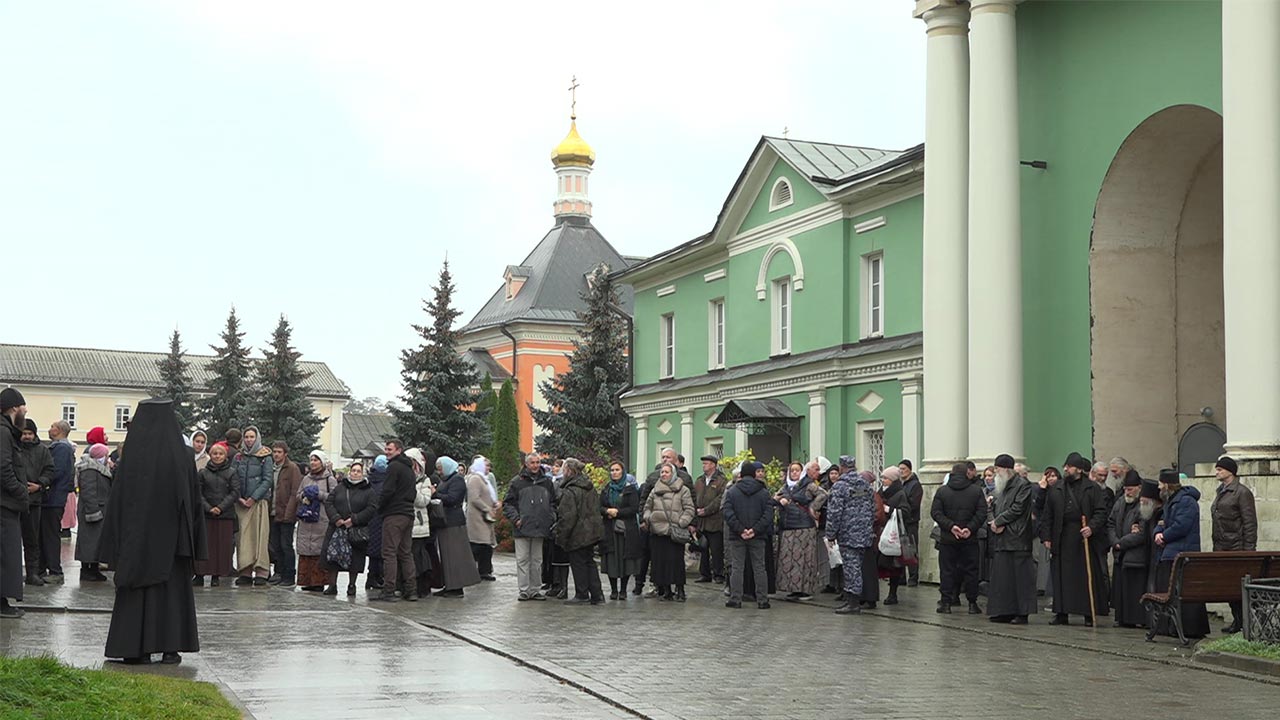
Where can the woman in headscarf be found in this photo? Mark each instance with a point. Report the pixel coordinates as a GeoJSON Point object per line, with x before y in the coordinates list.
{"type": "Point", "coordinates": [871, 556]}
{"type": "Point", "coordinates": [316, 486]}
{"type": "Point", "coordinates": [621, 546]}
{"type": "Point", "coordinates": [375, 477]}
{"type": "Point", "coordinates": [797, 559]}
{"type": "Point", "coordinates": [894, 498]}
{"type": "Point", "coordinates": [200, 446]}
{"type": "Point", "coordinates": [482, 513]}
{"type": "Point", "coordinates": [256, 472]}
{"type": "Point", "coordinates": [152, 535]}
{"type": "Point", "coordinates": [350, 507]}
{"type": "Point", "coordinates": [219, 488]}
{"type": "Point", "coordinates": [458, 566]}
{"type": "Point", "coordinates": [670, 505]}
{"type": "Point", "coordinates": [426, 561]}
{"type": "Point", "coordinates": [93, 477]}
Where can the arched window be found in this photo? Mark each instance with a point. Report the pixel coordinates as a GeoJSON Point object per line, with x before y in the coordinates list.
{"type": "Point", "coordinates": [780, 196]}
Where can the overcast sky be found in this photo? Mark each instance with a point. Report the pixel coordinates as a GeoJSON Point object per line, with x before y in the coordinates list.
{"type": "Point", "coordinates": [163, 160]}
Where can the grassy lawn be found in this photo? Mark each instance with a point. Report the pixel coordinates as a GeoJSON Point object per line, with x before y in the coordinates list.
{"type": "Point", "coordinates": [1238, 645]}
{"type": "Point", "coordinates": [42, 687]}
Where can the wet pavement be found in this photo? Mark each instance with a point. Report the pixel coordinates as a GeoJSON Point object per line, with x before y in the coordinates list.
{"type": "Point", "coordinates": [286, 654]}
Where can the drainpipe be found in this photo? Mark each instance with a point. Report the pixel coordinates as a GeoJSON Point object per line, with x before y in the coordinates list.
{"type": "Point", "coordinates": [631, 376]}
{"type": "Point", "coordinates": [503, 329]}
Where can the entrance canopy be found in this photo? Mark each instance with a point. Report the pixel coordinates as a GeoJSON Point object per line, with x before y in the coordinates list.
{"type": "Point", "coordinates": [759, 417]}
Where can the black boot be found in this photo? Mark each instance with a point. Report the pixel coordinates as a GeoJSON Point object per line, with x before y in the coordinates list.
{"type": "Point", "coordinates": [33, 578]}
{"type": "Point", "coordinates": [680, 593]}
{"type": "Point", "coordinates": [848, 609]}
{"type": "Point", "coordinates": [561, 582]}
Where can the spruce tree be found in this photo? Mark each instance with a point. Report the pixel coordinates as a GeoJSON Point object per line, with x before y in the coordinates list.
{"type": "Point", "coordinates": [583, 417]}
{"type": "Point", "coordinates": [228, 404]}
{"type": "Point", "coordinates": [488, 398]}
{"type": "Point", "coordinates": [280, 407]}
{"type": "Point", "coordinates": [505, 453]}
{"type": "Point", "coordinates": [440, 386]}
{"type": "Point", "coordinates": [176, 376]}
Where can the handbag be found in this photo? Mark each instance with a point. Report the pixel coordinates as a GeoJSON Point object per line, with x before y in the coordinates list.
{"type": "Point", "coordinates": [909, 555]}
{"type": "Point", "coordinates": [891, 537]}
{"type": "Point", "coordinates": [358, 536]}
{"type": "Point", "coordinates": [339, 550]}
{"type": "Point", "coordinates": [620, 526]}
{"type": "Point", "coordinates": [677, 533]}
{"type": "Point", "coordinates": [435, 513]}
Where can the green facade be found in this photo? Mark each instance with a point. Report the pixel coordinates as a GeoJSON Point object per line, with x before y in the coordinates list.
{"type": "Point", "coordinates": [1088, 74]}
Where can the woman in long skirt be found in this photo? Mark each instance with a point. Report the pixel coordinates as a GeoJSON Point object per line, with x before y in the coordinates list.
{"type": "Point", "coordinates": [669, 506]}
{"type": "Point", "coordinates": [350, 507]}
{"type": "Point", "coordinates": [458, 566]}
{"type": "Point", "coordinates": [621, 547]}
{"type": "Point", "coordinates": [219, 489]}
{"type": "Point", "coordinates": [797, 559]}
{"type": "Point", "coordinates": [426, 562]}
{"type": "Point", "coordinates": [316, 486]}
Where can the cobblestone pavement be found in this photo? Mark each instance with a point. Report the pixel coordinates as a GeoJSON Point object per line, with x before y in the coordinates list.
{"type": "Point", "coordinates": [291, 654]}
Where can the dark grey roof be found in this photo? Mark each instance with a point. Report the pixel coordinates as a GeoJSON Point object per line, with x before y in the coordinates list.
{"type": "Point", "coordinates": [835, 352]}
{"type": "Point", "coordinates": [736, 411]}
{"type": "Point", "coordinates": [558, 268]}
{"type": "Point", "coordinates": [485, 363]}
{"type": "Point", "coordinates": [358, 431]}
{"type": "Point", "coordinates": [38, 364]}
{"type": "Point", "coordinates": [520, 271]}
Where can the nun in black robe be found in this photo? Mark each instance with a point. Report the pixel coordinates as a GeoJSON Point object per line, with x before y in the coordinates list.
{"type": "Point", "coordinates": [151, 536]}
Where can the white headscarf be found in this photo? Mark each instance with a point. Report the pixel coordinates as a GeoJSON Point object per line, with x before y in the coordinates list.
{"type": "Point", "coordinates": [477, 468]}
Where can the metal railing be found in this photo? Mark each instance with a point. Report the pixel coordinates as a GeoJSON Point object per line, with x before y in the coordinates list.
{"type": "Point", "coordinates": [1261, 609]}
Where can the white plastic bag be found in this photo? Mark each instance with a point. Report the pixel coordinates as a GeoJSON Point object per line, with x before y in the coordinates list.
{"type": "Point", "coordinates": [833, 553]}
{"type": "Point", "coordinates": [890, 539]}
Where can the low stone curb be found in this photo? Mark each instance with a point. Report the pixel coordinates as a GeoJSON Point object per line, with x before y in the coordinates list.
{"type": "Point", "coordinates": [1245, 663]}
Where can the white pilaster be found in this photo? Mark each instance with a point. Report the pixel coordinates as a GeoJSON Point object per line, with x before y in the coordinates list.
{"type": "Point", "coordinates": [1251, 225]}
{"type": "Point", "coordinates": [911, 418]}
{"type": "Point", "coordinates": [642, 447]}
{"type": "Point", "coordinates": [817, 422]}
{"type": "Point", "coordinates": [686, 437]}
{"type": "Point", "coordinates": [739, 440]}
{"type": "Point", "coordinates": [995, 234]}
{"type": "Point", "coordinates": [946, 212]}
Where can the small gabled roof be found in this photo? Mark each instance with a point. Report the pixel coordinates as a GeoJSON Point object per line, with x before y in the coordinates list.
{"type": "Point", "coordinates": [39, 364]}
{"type": "Point", "coordinates": [557, 270]}
{"type": "Point", "coordinates": [826, 161]}
{"type": "Point", "coordinates": [485, 363]}
{"type": "Point", "coordinates": [359, 431]}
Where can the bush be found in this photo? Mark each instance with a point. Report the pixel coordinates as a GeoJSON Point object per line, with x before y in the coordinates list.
{"type": "Point", "coordinates": [502, 532]}
{"type": "Point", "coordinates": [774, 472]}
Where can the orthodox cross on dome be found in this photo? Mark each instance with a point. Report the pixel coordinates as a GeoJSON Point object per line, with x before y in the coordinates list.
{"type": "Point", "coordinates": [573, 98]}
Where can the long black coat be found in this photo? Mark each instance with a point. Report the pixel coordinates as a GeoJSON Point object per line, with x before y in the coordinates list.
{"type": "Point", "coordinates": [1066, 502]}
{"type": "Point", "coordinates": [628, 507]}
{"type": "Point", "coordinates": [1011, 510]}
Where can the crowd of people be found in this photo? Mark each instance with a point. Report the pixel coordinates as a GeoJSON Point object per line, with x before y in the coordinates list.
{"type": "Point", "coordinates": [1094, 537]}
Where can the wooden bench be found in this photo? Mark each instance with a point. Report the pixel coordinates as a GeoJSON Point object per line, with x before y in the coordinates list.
{"type": "Point", "coordinates": [1205, 577]}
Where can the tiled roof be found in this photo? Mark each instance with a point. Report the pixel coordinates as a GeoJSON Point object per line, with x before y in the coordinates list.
{"type": "Point", "coordinates": [485, 363]}
{"type": "Point", "coordinates": [358, 431]}
{"type": "Point", "coordinates": [38, 364]}
{"type": "Point", "coordinates": [557, 269]}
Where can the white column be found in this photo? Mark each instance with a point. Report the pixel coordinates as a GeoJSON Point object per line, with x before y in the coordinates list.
{"type": "Point", "coordinates": [642, 447]}
{"type": "Point", "coordinates": [739, 439]}
{"type": "Point", "coordinates": [686, 437]}
{"type": "Point", "coordinates": [911, 419]}
{"type": "Point", "coordinates": [817, 422]}
{"type": "Point", "coordinates": [946, 212]}
{"type": "Point", "coordinates": [995, 235]}
{"type": "Point", "coordinates": [1251, 226]}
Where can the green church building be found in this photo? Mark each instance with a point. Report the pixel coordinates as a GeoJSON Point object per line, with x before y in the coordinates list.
{"type": "Point", "coordinates": [1084, 255]}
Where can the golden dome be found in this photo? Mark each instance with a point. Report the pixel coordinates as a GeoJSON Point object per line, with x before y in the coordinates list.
{"type": "Point", "coordinates": [573, 150]}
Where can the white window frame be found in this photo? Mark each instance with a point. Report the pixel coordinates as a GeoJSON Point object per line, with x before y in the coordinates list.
{"type": "Point", "coordinates": [661, 445]}
{"type": "Point", "coordinates": [70, 417]}
{"type": "Point", "coordinates": [783, 316]}
{"type": "Point", "coordinates": [865, 429]}
{"type": "Point", "coordinates": [128, 415]}
{"type": "Point", "coordinates": [714, 446]}
{"type": "Point", "coordinates": [667, 348]}
{"type": "Point", "coordinates": [716, 334]}
{"type": "Point", "coordinates": [773, 194]}
{"type": "Point", "coordinates": [873, 295]}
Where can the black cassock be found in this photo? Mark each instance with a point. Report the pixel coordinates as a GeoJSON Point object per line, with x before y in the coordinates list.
{"type": "Point", "coordinates": [1012, 587]}
{"type": "Point", "coordinates": [1065, 504]}
{"type": "Point", "coordinates": [1129, 562]}
{"type": "Point", "coordinates": [152, 535]}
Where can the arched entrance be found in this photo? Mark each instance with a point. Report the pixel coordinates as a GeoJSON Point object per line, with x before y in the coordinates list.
{"type": "Point", "coordinates": [1155, 289]}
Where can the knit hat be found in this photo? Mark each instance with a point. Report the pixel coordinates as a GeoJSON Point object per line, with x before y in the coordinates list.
{"type": "Point", "coordinates": [319, 454]}
{"type": "Point", "coordinates": [891, 473]}
{"type": "Point", "coordinates": [867, 476]}
{"type": "Point", "coordinates": [751, 469]}
{"type": "Point", "coordinates": [35, 429]}
{"type": "Point", "coordinates": [96, 436]}
{"type": "Point", "coordinates": [1004, 461]}
{"type": "Point", "coordinates": [1132, 478]}
{"type": "Point", "coordinates": [1150, 490]}
{"type": "Point", "coordinates": [10, 398]}
{"type": "Point", "coordinates": [380, 463]}
{"type": "Point", "coordinates": [1224, 462]}
{"type": "Point", "coordinates": [98, 451]}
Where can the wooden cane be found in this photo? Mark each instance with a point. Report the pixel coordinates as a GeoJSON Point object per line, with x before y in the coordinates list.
{"type": "Point", "coordinates": [1088, 566]}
